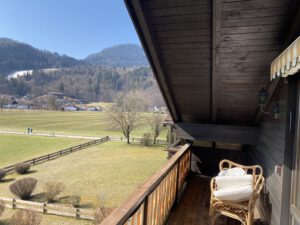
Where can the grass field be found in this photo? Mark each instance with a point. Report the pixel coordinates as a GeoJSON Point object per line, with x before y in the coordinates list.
{"type": "Point", "coordinates": [46, 219]}
{"type": "Point", "coordinates": [110, 171]}
{"type": "Point", "coordinates": [17, 148]}
{"type": "Point", "coordinates": [80, 123]}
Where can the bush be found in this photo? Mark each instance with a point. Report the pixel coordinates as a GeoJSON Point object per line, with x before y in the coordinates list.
{"type": "Point", "coordinates": [26, 217]}
{"type": "Point", "coordinates": [2, 207]}
{"type": "Point", "coordinates": [2, 174]}
{"type": "Point", "coordinates": [23, 188]}
{"type": "Point", "coordinates": [146, 139]}
{"type": "Point", "coordinates": [22, 168]}
{"type": "Point", "coordinates": [100, 214]}
{"type": "Point", "coordinates": [52, 189]}
{"type": "Point", "coordinates": [74, 200]}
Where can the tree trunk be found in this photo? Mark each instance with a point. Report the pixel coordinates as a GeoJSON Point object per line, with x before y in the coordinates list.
{"type": "Point", "coordinates": [128, 138]}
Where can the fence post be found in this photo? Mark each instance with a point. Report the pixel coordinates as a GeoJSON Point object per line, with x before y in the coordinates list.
{"type": "Point", "coordinates": [77, 214]}
{"type": "Point", "coordinates": [44, 208]}
{"type": "Point", "coordinates": [33, 161]}
{"type": "Point", "coordinates": [13, 203]}
{"type": "Point", "coordinates": [48, 157]}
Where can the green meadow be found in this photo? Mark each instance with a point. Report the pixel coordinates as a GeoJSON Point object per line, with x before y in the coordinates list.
{"type": "Point", "coordinates": [17, 148]}
{"type": "Point", "coordinates": [75, 123]}
{"type": "Point", "coordinates": [109, 171]}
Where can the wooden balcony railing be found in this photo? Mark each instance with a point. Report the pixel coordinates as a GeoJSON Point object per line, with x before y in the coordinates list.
{"type": "Point", "coordinates": [152, 202]}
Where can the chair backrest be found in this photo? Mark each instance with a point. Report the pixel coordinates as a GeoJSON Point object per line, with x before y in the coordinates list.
{"type": "Point", "coordinates": [255, 170]}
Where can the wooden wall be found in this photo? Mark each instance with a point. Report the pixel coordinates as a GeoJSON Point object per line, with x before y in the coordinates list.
{"type": "Point", "coordinates": [205, 161]}
{"type": "Point", "coordinates": [269, 152]}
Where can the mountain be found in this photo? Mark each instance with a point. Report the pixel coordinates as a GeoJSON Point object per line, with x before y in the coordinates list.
{"type": "Point", "coordinates": [125, 55]}
{"type": "Point", "coordinates": [16, 56]}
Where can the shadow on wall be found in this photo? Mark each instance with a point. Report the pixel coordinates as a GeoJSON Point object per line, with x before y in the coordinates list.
{"type": "Point", "coordinates": [205, 161]}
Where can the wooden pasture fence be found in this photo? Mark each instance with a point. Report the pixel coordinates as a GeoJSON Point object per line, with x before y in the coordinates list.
{"type": "Point", "coordinates": [57, 154]}
{"type": "Point", "coordinates": [151, 203]}
{"type": "Point", "coordinates": [52, 209]}
{"type": "Point", "coordinates": [135, 140]}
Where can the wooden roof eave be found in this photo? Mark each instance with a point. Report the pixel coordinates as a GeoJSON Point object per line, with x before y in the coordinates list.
{"type": "Point", "coordinates": [147, 39]}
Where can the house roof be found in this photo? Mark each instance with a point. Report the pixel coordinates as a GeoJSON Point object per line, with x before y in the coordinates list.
{"type": "Point", "coordinates": [210, 58]}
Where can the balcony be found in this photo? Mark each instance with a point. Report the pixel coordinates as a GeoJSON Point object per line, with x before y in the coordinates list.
{"type": "Point", "coordinates": [152, 202]}
{"type": "Point", "coordinates": [173, 196]}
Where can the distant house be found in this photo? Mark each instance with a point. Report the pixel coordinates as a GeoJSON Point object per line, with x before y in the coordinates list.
{"type": "Point", "coordinates": [15, 105]}
{"type": "Point", "coordinates": [56, 94]}
{"type": "Point", "coordinates": [93, 108]}
{"type": "Point", "coordinates": [70, 108]}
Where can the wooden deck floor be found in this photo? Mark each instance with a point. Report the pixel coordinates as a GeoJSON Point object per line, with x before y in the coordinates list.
{"type": "Point", "coordinates": [194, 205]}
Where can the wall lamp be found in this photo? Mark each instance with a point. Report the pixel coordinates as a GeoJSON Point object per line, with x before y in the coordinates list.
{"type": "Point", "coordinates": [263, 97]}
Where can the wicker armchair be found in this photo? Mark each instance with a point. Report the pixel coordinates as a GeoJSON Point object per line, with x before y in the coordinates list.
{"type": "Point", "coordinates": [242, 211]}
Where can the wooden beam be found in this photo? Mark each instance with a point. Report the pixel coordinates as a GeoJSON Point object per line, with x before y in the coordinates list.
{"type": "Point", "coordinates": [217, 133]}
{"type": "Point", "coordinates": [293, 33]}
{"type": "Point", "coordinates": [148, 40]}
{"type": "Point", "coordinates": [217, 15]}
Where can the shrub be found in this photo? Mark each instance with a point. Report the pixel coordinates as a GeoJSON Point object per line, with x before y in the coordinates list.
{"type": "Point", "coordinates": [2, 207]}
{"type": "Point", "coordinates": [146, 139]}
{"type": "Point", "coordinates": [23, 188]}
{"type": "Point", "coordinates": [2, 174]}
{"type": "Point", "coordinates": [100, 213]}
{"type": "Point", "coordinates": [52, 189]}
{"type": "Point", "coordinates": [74, 200]}
{"type": "Point", "coordinates": [22, 168]}
{"type": "Point", "coordinates": [26, 217]}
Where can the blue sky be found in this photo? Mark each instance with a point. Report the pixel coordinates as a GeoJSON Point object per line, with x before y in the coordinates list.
{"type": "Point", "coordinates": [73, 27]}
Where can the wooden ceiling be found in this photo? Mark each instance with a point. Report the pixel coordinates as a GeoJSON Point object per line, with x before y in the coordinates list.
{"type": "Point", "coordinates": [211, 57]}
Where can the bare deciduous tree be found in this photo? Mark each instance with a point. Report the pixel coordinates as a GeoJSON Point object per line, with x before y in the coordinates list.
{"type": "Point", "coordinates": [156, 124]}
{"type": "Point", "coordinates": [125, 113]}
{"type": "Point", "coordinates": [4, 99]}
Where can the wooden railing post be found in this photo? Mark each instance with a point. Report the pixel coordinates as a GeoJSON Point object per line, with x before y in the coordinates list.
{"type": "Point", "coordinates": [177, 183]}
{"type": "Point", "coordinates": [145, 214]}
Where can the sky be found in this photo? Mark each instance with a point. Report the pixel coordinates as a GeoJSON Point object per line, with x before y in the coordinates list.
{"type": "Point", "coordinates": [73, 27]}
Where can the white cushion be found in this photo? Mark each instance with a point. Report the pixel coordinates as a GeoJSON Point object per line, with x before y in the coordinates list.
{"type": "Point", "coordinates": [234, 181]}
{"type": "Point", "coordinates": [234, 194]}
{"type": "Point", "coordinates": [236, 171]}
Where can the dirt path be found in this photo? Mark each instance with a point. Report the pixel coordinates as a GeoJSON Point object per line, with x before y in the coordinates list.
{"type": "Point", "coordinates": [49, 135]}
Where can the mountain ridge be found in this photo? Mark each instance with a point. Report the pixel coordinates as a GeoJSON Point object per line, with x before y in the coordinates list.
{"type": "Point", "coordinates": [16, 56]}
{"type": "Point", "coordinates": [122, 55]}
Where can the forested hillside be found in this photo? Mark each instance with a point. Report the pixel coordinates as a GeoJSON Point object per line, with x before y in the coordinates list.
{"type": "Point", "coordinates": [16, 56]}
{"type": "Point", "coordinates": [90, 83]}
{"type": "Point", "coordinates": [126, 55]}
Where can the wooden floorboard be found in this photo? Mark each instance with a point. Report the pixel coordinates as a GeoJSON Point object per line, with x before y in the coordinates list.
{"type": "Point", "coordinates": [193, 207]}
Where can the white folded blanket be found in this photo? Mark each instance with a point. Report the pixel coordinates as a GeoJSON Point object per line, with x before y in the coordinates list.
{"type": "Point", "coordinates": [234, 194]}
{"type": "Point", "coordinates": [234, 185]}
{"type": "Point", "coordinates": [234, 181]}
{"type": "Point", "coordinates": [236, 171]}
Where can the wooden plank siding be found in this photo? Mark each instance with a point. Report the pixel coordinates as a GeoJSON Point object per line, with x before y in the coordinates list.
{"type": "Point", "coordinates": [244, 25]}
{"type": "Point", "coordinates": [269, 152]}
{"type": "Point", "coordinates": [183, 30]}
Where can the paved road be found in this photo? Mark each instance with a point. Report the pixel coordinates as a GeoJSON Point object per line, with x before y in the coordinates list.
{"type": "Point", "coordinates": [48, 135]}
